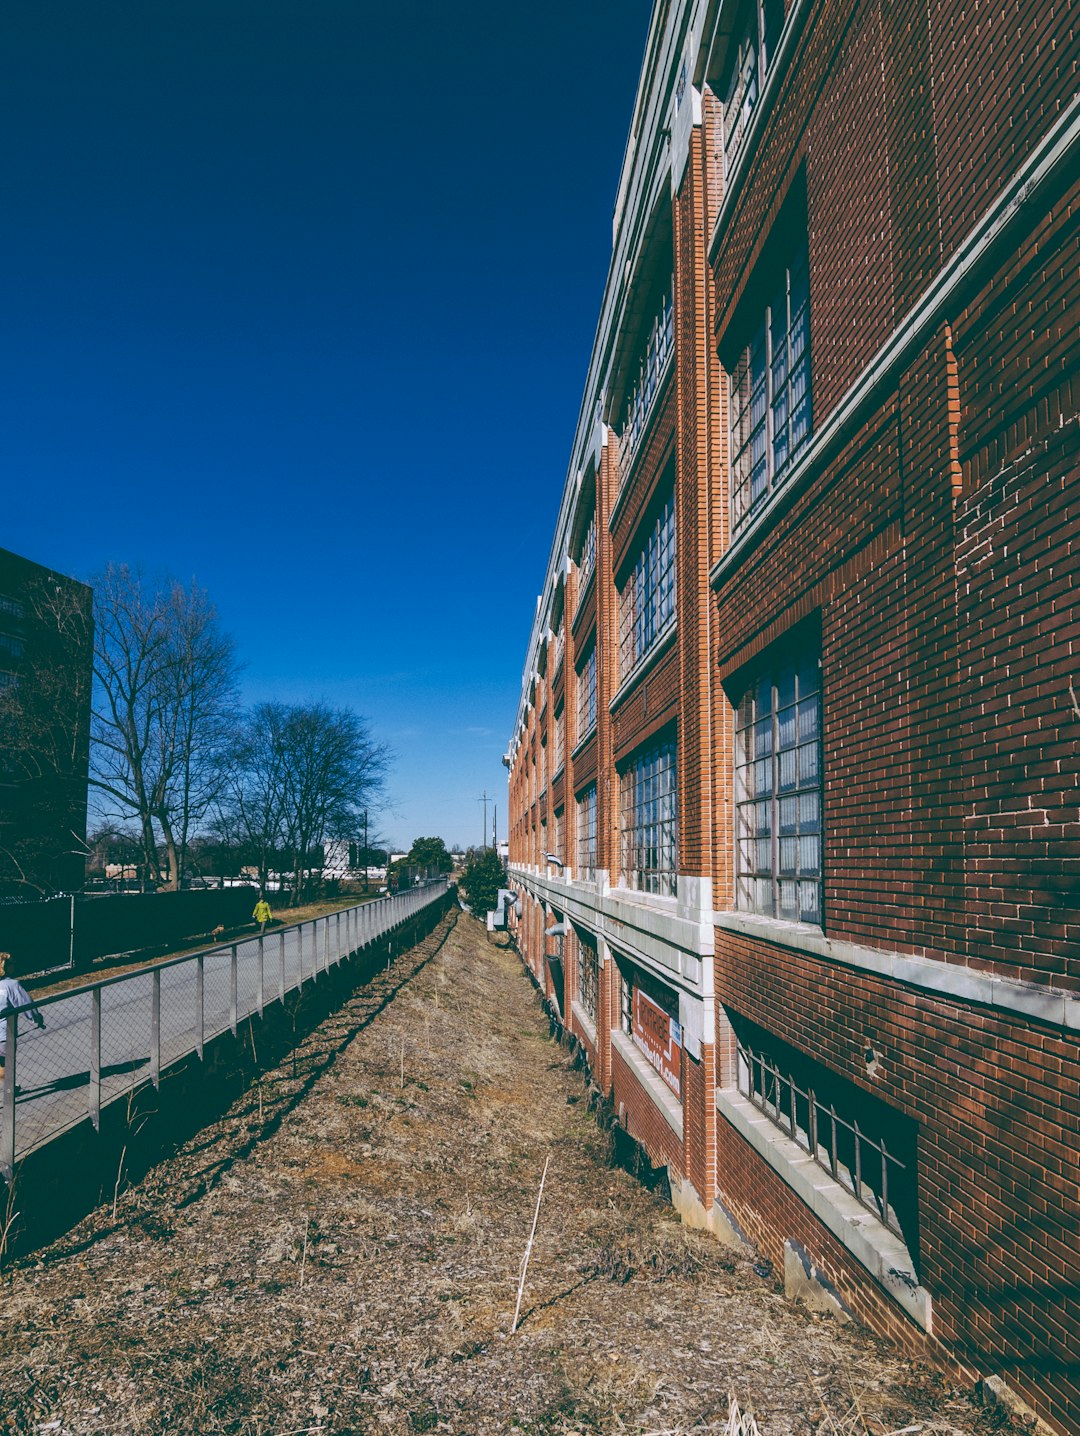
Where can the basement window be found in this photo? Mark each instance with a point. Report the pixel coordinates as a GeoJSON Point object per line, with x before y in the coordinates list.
{"type": "Point", "coordinates": [649, 1015]}
{"type": "Point", "coordinates": [588, 974]}
{"type": "Point", "coordinates": [865, 1145]}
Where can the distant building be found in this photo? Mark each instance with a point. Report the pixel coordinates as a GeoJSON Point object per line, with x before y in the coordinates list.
{"type": "Point", "coordinates": [46, 658]}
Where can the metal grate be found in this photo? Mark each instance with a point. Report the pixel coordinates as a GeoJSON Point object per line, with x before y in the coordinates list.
{"type": "Point", "coordinates": [859, 1159]}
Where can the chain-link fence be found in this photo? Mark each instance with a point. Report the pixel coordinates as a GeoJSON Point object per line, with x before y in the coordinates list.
{"type": "Point", "coordinates": [102, 1041]}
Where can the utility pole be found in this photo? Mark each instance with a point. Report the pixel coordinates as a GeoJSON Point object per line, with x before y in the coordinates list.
{"type": "Point", "coordinates": [483, 798]}
{"type": "Point", "coordinates": [367, 855]}
{"type": "Point", "coordinates": [495, 827]}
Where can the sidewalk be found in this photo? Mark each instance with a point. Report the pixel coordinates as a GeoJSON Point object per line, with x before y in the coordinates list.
{"type": "Point", "coordinates": [341, 1254]}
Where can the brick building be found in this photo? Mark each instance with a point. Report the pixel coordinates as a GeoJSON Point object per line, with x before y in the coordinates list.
{"type": "Point", "coordinates": [46, 656]}
{"type": "Point", "coordinates": [793, 779]}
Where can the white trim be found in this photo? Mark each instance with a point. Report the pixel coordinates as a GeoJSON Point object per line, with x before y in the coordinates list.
{"type": "Point", "coordinates": [585, 1022]}
{"type": "Point", "coordinates": [991, 233]}
{"type": "Point", "coordinates": [663, 935]}
{"type": "Point", "coordinates": [878, 1249]}
{"type": "Point", "coordinates": [951, 981]}
{"type": "Point", "coordinates": [662, 1095]}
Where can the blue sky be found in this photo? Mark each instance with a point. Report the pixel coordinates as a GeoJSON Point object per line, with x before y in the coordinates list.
{"type": "Point", "coordinates": [298, 301]}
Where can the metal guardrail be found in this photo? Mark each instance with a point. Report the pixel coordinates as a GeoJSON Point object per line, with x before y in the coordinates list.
{"type": "Point", "coordinates": [103, 1040]}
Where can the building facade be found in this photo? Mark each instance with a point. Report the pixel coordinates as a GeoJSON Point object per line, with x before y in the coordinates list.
{"type": "Point", "coordinates": [793, 778]}
{"type": "Point", "coordinates": [46, 663]}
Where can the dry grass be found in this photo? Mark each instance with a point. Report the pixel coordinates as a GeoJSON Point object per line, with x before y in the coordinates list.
{"type": "Point", "coordinates": [341, 1254]}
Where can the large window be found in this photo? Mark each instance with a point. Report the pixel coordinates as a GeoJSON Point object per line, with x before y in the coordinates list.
{"type": "Point", "coordinates": [865, 1145]}
{"type": "Point", "coordinates": [586, 694]}
{"type": "Point", "coordinates": [770, 392]}
{"type": "Point", "coordinates": [648, 819]}
{"type": "Point", "coordinates": [586, 834]}
{"type": "Point", "coordinates": [647, 598]}
{"type": "Point", "coordinates": [751, 50]}
{"type": "Point", "coordinates": [560, 738]}
{"type": "Point", "coordinates": [778, 789]}
{"type": "Point", "coordinates": [587, 557]}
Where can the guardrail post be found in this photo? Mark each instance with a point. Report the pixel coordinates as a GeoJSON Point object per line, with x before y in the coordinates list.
{"type": "Point", "coordinates": [337, 936]}
{"type": "Point", "coordinates": [200, 1003]}
{"type": "Point", "coordinates": [326, 945]}
{"type": "Point", "coordinates": [95, 1058]}
{"type": "Point", "coordinates": [281, 966]}
{"type": "Point", "coordinates": [300, 953]}
{"type": "Point", "coordinates": [232, 990]}
{"type": "Point", "coordinates": [7, 1148]}
{"type": "Point", "coordinates": [262, 974]}
{"type": "Point", "coordinates": [155, 1027]}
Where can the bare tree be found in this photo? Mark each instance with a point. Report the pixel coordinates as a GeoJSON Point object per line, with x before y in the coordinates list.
{"type": "Point", "coordinates": [300, 775]}
{"type": "Point", "coordinates": [165, 684]}
{"type": "Point", "coordinates": [250, 813]}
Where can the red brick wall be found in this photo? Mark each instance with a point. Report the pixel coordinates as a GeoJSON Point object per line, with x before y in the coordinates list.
{"type": "Point", "coordinates": [999, 1132]}
{"type": "Point", "coordinates": [1002, 74]}
{"type": "Point", "coordinates": [643, 1119]}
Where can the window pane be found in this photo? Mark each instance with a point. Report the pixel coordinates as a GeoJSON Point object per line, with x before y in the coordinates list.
{"type": "Point", "coordinates": [778, 795]}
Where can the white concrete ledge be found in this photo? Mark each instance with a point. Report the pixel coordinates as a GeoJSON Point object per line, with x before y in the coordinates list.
{"type": "Point", "coordinates": [583, 1020]}
{"type": "Point", "coordinates": [662, 1095]}
{"type": "Point", "coordinates": [877, 1248]}
{"type": "Point", "coordinates": [944, 979]}
{"type": "Point", "coordinates": [666, 935]}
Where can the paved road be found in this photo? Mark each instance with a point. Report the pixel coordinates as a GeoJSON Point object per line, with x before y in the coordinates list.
{"type": "Point", "coordinates": [54, 1066]}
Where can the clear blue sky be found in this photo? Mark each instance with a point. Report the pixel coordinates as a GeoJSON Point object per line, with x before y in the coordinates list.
{"type": "Point", "coordinates": [298, 301]}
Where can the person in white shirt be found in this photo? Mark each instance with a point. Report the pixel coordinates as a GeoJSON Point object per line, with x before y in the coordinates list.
{"type": "Point", "coordinates": [13, 995]}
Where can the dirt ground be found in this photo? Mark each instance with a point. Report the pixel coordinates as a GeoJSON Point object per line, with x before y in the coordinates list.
{"type": "Point", "coordinates": [341, 1254]}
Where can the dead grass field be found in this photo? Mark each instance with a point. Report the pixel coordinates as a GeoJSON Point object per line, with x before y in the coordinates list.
{"type": "Point", "coordinates": [340, 1254]}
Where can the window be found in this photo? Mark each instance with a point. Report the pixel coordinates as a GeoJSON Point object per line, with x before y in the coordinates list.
{"type": "Point", "coordinates": [749, 56]}
{"type": "Point", "coordinates": [10, 647]}
{"type": "Point", "coordinates": [778, 793]}
{"type": "Point", "coordinates": [560, 738]}
{"type": "Point", "coordinates": [659, 347]}
{"type": "Point", "coordinates": [647, 598]}
{"type": "Point", "coordinates": [588, 967]}
{"type": "Point", "coordinates": [543, 765]}
{"type": "Point", "coordinates": [648, 819]}
{"type": "Point", "coordinates": [586, 834]}
{"type": "Point", "coordinates": [862, 1142]}
{"type": "Point", "coordinates": [770, 392]}
{"type": "Point", "coordinates": [587, 558]}
{"type": "Point", "coordinates": [12, 606]}
{"type": "Point", "coordinates": [586, 694]}
{"type": "Point", "coordinates": [649, 1015]}
{"type": "Point", "coordinates": [558, 848]}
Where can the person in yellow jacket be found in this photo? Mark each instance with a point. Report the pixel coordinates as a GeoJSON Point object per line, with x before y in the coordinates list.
{"type": "Point", "coordinates": [262, 913]}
